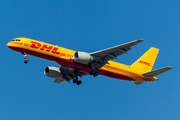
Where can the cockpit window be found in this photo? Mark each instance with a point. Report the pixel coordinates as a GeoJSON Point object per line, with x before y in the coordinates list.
{"type": "Point", "coordinates": [16, 40]}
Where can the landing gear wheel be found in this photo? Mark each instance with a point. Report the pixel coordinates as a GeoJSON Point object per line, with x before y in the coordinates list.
{"type": "Point", "coordinates": [95, 74]}
{"type": "Point", "coordinates": [26, 61]}
{"type": "Point", "coordinates": [79, 82]}
{"type": "Point", "coordinates": [25, 57]}
{"type": "Point", "coordinates": [74, 81]}
{"type": "Point", "coordinates": [92, 72]}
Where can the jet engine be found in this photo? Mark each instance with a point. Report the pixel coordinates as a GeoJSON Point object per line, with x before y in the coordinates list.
{"type": "Point", "coordinates": [82, 57]}
{"type": "Point", "coordinates": [53, 72]}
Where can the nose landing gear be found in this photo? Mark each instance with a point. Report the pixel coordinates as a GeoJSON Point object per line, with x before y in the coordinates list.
{"type": "Point", "coordinates": [25, 57]}
{"type": "Point", "coordinates": [26, 61]}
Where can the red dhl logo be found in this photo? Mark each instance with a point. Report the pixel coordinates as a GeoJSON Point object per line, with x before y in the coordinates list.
{"type": "Point", "coordinates": [44, 47]}
{"type": "Point", "coordinates": [145, 63]}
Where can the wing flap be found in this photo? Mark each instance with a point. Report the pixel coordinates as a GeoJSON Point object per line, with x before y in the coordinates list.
{"type": "Point", "coordinates": [58, 80]}
{"type": "Point", "coordinates": [68, 74]}
{"type": "Point", "coordinates": [156, 72]}
{"type": "Point", "coordinates": [138, 82]}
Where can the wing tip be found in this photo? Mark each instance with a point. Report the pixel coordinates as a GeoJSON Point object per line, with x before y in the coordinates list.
{"type": "Point", "coordinates": [140, 40]}
{"type": "Point", "coordinates": [170, 67]}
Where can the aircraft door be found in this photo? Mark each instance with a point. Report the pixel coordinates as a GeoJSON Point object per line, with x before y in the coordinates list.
{"type": "Point", "coordinates": [24, 40]}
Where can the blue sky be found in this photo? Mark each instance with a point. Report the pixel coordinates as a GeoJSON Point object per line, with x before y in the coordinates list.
{"type": "Point", "coordinates": [89, 25]}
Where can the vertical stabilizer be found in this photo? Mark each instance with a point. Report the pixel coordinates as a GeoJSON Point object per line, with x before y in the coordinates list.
{"type": "Point", "coordinates": [146, 61]}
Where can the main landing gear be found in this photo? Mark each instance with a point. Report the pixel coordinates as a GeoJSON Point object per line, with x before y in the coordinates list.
{"type": "Point", "coordinates": [76, 81]}
{"type": "Point", "coordinates": [93, 70]}
{"type": "Point", "coordinates": [25, 57]}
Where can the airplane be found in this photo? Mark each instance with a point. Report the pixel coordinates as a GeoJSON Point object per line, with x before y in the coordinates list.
{"type": "Point", "coordinates": [75, 64]}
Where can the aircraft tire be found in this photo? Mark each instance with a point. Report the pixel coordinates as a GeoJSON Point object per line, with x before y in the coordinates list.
{"type": "Point", "coordinates": [95, 74]}
{"type": "Point", "coordinates": [74, 81]}
{"type": "Point", "coordinates": [26, 61]}
{"type": "Point", "coordinates": [79, 82]}
{"type": "Point", "coordinates": [92, 72]}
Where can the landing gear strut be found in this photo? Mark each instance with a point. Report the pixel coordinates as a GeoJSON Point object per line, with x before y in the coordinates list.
{"type": "Point", "coordinates": [93, 71]}
{"type": "Point", "coordinates": [25, 57]}
{"type": "Point", "coordinates": [76, 81]}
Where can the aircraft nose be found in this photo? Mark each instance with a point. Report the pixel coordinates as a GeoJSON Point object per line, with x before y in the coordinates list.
{"type": "Point", "coordinates": [8, 44]}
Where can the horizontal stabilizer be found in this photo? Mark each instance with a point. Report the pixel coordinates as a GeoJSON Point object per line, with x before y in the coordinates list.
{"type": "Point", "coordinates": [138, 82]}
{"type": "Point", "coordinates": [156, 72]}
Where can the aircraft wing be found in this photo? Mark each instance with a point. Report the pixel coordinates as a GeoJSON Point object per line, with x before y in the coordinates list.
{"type": "Point", "coordinates": [68, 74]}
{"type": "Point", "coordinates": [113, 52]}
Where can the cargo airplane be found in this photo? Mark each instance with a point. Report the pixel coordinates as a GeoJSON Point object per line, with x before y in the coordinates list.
{"type": "Point", "coordinates": [75, 64]}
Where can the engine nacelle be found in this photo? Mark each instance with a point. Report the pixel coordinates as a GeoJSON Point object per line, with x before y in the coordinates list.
{"type": "Point", "coordinates": [52, 72]}
{"type": "Point", "coordinates": [82, 57]}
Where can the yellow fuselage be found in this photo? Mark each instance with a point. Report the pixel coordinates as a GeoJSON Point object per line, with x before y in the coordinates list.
{"type": "Point", "coordinates": [62, 57]}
